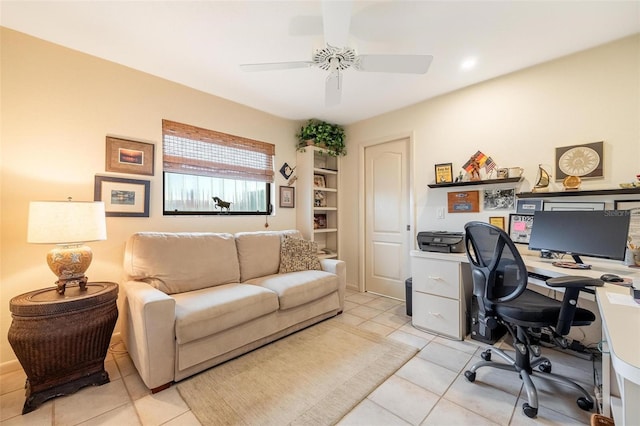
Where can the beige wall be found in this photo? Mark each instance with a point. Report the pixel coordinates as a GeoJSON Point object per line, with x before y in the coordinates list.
{"type": "Point", "coordinates": [57, 107]}
{"type": "Point", "coordinates": [518, 120]}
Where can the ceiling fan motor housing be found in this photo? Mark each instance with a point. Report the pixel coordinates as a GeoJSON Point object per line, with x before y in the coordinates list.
{"type": "Point", "coordinates": [333, 58]}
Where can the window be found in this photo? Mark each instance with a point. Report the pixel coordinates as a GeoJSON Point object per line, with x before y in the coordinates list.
{"type": "Point", "coordinates": [201, 164]}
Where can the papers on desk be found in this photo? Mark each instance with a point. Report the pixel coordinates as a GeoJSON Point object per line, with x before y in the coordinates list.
{"type": "Point", "coordinates": [621, 299]}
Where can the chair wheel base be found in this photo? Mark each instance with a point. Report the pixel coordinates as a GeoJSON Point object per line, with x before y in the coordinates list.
{"type": "Point", "coordinates": [584, 403]}
{"type": "Point", "coordinates": [486, 355]}
{"type": "Point", "coordinates": [545, 367]}
{"type": "Point", "coordinates": [529, 411]}
{"type": "Point", "coordinates": [470, 375]}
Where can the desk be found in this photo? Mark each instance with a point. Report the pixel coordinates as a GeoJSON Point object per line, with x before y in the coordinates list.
{"type": "Point", "coordinates": [620, 329]}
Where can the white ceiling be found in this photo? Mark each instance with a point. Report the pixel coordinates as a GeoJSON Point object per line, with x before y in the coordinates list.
{"type": "Point", "coordinates": [202, 43]}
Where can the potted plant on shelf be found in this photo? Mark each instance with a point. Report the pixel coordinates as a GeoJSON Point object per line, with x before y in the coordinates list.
{"type": "Point", "coordinates": [322, 134]}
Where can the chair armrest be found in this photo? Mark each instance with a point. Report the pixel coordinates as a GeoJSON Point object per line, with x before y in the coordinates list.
{"type": "Point", "coordinates": [150, 332]}
{"type": "Point", "coordinates": [573, 284]}
{"type": "Point", "coordinates": [338, 267]}
{"type": "Point", "coordinates": [573, 281]}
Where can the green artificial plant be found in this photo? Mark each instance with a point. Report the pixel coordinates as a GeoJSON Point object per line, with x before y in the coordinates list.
{"type": "Point", "coordinates": [323, 134]}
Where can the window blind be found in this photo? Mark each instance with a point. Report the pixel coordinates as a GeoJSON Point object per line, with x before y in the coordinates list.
{"type": "Point", "coordinates": [196, 151]}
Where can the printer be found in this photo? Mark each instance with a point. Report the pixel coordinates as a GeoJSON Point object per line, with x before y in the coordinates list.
{"type": "Point", "coordinates": [441, 241]}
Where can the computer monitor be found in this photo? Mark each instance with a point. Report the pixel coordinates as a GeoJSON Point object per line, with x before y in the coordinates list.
{"type": "Point", "coordinates": [601, 234]}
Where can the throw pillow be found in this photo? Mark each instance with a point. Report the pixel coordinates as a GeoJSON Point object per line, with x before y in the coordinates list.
{"type": "Point", "coordinates": [297, 254]}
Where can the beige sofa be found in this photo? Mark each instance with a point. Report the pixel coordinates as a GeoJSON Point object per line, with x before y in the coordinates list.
{"type": "Point", "coordinates": [194, 300]}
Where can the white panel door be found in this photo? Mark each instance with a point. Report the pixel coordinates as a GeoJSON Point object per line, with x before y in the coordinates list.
{"type": "Point", "coordinates": [387, 218]}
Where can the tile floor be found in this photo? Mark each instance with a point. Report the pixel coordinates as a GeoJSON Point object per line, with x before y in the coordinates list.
{"type": "Point", "coordinates": [428, 390]}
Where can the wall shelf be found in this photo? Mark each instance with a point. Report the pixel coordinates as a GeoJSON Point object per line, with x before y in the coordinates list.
{"type": "Point", "coordinates": [617, 191]}
{"type": "Point", "coordinates": [475, 182]}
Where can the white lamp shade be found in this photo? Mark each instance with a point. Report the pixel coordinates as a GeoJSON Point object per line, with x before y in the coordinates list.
{"type": "Point", "coordinates": [66, 222]}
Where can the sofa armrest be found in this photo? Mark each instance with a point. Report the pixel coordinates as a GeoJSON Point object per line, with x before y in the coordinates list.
{"type": "Point", "coordinates": [338, 267]}
{"type": "Point", "coordinates": [150, 332]}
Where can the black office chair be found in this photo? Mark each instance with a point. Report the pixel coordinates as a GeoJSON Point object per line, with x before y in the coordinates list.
{"type": "Point", "coordinates": [499, 285]}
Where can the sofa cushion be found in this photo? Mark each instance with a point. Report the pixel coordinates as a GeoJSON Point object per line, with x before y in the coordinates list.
{"type": "Point", "coordinates": [297, 288]}
{"type": "Point", "coordinates": [297, 254]}
{"type": "Point", "coordinates": [204, 312]}
{"type": "Point", "coordinates": [259, 252]}
{"type": "Point", "coordinates": [179, 262]}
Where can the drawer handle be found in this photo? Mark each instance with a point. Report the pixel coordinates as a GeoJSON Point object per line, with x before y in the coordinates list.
{"type": "Point", "coordinates": [435, 314]}
{"type": "Point", "coordinates": [432, 277]}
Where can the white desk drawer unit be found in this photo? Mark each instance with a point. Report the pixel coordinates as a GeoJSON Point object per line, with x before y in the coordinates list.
{"type": "Point", "coordinates": [441, 293]}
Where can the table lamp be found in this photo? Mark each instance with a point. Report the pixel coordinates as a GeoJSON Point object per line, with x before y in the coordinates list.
{"type": "Point", "coordinates": [69, 224]}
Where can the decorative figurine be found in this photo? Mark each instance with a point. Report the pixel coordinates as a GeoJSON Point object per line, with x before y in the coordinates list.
{"type": "Point", "coordinates": [222, 204]}
{"type": "Point", "coordinates": [542, 183]}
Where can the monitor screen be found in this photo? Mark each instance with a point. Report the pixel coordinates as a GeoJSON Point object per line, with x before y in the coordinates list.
{"type": "Point", "coordinates": [600, 234]}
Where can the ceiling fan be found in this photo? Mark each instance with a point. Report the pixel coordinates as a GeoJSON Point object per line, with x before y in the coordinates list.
{"type": "Point", "coordinates": [337, 57]}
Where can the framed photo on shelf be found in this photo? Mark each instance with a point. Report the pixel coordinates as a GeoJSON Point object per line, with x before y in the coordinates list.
{"type": "Point", "coordinates": [583, 160]}
{"type": "Point", "coordinates": [319, 182]}
{"type": "Point", "coordinates": [287, 196]}
{"type": "Point", "coordinates": [520, 226]}
{"type": "Point", "coordinates": [552, 205]}
{"type": "Point", "coordinates": [122, 197]}
{"type": "Point", "coordinates": [528, 206]}
{"type": "Point", "coordinates": [497, 221]}
{"type": "Point", "coordinates": [444, 173]}
{"type": "Point", "coordinates": [320, 221]}
{"type": "Point", "coordinates": [125, 156]}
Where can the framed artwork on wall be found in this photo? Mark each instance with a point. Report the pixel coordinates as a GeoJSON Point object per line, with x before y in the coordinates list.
{"type": "Point", "coordinates": [552, 205]}
{"type": "Point", "coordinates": [497, 221]}
{"type": "Point", "coordinates": [126, 156]}
{"type": "Point", "coordinates": [520, 226]}
{"type": "Point", "coordinates": [463, 202]}
{"type": "Point", "coordinates": [528, 206]}
{"type": "Point", "coordinates": [122, 197]}
{"type": "Point", "coordinates": [287, 196]}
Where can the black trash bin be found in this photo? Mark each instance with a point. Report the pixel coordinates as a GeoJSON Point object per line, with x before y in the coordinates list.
{"type": "Point", "coordinates": [407, 287]}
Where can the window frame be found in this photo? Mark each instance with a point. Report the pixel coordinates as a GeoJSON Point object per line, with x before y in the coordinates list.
{"type": "Point", "coordinates": [200, 137]}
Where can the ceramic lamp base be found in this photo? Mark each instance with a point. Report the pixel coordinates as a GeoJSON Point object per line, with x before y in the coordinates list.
{"type": "Point", "coordinates": [69, 263]}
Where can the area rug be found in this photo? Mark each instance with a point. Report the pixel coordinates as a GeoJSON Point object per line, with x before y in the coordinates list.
{"type": "Point", "coordinates": [313, 377]}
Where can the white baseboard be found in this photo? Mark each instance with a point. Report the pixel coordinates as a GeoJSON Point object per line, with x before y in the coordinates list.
{"type": "Point", "coordinates": [10, 366]}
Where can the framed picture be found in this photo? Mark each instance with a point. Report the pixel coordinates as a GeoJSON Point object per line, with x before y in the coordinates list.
{"type": "Point", "coordinates": [497, 221]}
{"type": "Point", "coordinates": [528, 206]}
{"type": "Point", "coordinates": [125, 156]}
{"type": "Point", "coordinates": [444, 173]}
{"type": "Point", "coordinates": [634, 225]}
{"type": "Point", "coordinates": [287, 196]}
{"type": "Point", "coordinates": [318, 181]}
{"type": "Point", "coordinates": [463, 202]}
{"type": "Point", "coordinates": [122, 197]}
{"type": "Point", "coordinates": [320, 221]}
{"type": "Point", "coordinates": [552, 205]}
{"type": "Point", "coordinates": [499, 199]}
{"type": "Point", "coordinates": [502, 173]}
{"type": "Point", "coordinates": [584, 160]}
{"type": "Point", "coordinates": [520, 226]}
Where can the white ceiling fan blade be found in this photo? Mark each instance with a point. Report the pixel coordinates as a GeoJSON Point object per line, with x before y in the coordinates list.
{"type": "Point", "coordinates": [276, 66]}
{"type": "Point", "coordinates": [336, 19]}
{"type": "Point", "coordinates": [333, 89]}
{"type": "Point", "coordinates": [409, 64]}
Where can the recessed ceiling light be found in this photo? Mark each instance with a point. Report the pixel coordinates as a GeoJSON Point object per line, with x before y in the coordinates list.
{"type": "Point", "coordinates": [468, 64]}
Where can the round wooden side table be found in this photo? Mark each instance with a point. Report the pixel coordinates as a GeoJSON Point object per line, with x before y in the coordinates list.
{"type": "Point", "coordinates": [61, 340]}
